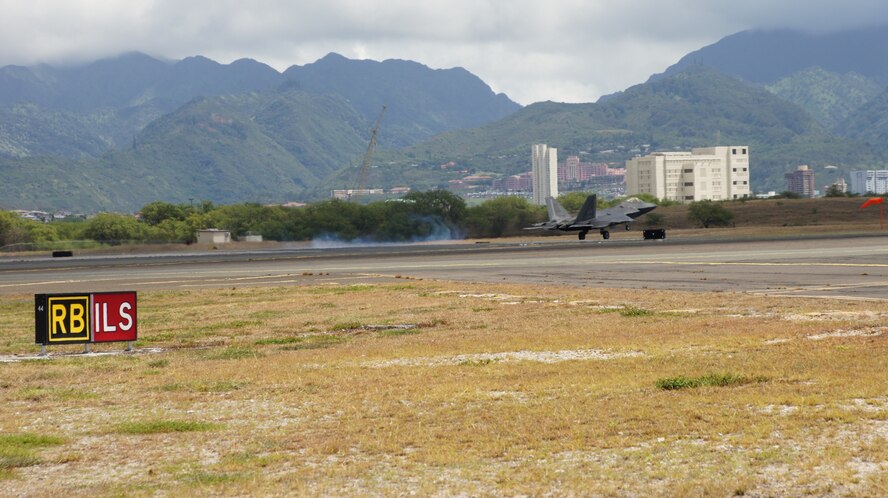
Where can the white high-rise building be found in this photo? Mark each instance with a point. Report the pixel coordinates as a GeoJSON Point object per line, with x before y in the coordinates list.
{"type": "Point", "coordinates": [874, 181]}
{"type": "Point", "coordinates": [710, 173]}
{"type": "Point", "coordinates": [545, 173]}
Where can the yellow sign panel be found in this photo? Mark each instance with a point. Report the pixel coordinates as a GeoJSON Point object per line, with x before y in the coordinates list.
{"type": "Point", "coordinates": [68, 318]}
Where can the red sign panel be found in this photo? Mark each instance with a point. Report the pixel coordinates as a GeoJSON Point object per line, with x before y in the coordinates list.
{"type": "Point", "coordinates": [114, 316]}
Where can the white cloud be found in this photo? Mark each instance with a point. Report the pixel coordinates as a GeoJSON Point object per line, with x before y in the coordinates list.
{"type": "Point", "coordinates": [563, 50]}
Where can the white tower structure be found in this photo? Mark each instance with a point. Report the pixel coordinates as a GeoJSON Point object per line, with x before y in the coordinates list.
{"type": "Point", "coordinates": [545, 173]}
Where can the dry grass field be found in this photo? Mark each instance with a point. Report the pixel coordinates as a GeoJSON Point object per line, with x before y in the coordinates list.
{"type": "Point", "coordinates": [439, 388]}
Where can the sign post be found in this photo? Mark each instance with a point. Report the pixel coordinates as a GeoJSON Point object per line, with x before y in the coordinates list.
{"type": "Point", "coordinates": [85, 319]}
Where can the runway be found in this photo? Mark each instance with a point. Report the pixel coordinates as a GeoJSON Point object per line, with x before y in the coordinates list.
{"type": "Point", "coordinates": [830, 267]}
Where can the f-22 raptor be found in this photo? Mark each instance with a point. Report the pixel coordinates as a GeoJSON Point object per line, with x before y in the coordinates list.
{"type": "Point", "coordinates": [589, 219]}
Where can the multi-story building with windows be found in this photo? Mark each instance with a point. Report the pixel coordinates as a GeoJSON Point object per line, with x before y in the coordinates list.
{"type": "Point", "coordinates": [708, 173]}
{"type": "Point", "coordinates": [545, 173]}
{"type": "Point", "coordinates": [801, 181]}
{"type": "Point", "coordinates": [871, 181]}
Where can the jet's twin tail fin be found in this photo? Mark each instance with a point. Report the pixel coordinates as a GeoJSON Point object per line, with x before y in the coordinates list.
{"type": "Point", "coordinates": [556, 210]}
{"type": "Point", "coordinates": [588, 210]}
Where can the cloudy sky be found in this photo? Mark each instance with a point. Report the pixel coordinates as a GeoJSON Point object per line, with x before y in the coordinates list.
{"type": "Point", "coordinates": [561, 50]}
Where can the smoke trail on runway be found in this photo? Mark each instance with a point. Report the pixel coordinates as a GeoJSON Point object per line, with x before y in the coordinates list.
{"type": "Point", "coordinates": [432, 227]}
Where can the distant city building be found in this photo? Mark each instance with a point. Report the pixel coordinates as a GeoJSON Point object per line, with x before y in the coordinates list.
{"type": "Point", "coordinates": [399, 190]}
{"type": "Point", "coordinates": [545, 173]}
{"type": "Point", "coordinates": [708, 173]}
{"type": "Point", "coordinates": [615, 171]}
{"type": "Point", "coordinates": [870, 181]}
{"type": "Point", "coordinates": [597, 169]}
{"type": "Point", "coordinates": [349, 193]}
{"type": "Point", "coordinates": [840, 185]}
{"type": "Point", "coordinates": [801, 181]}
{"type": "Point", "coordinates": [518, 183]}
{"type": "Point", "coordinates": [571, 170]}
{"type": "Point", "coordinates": [41, 216]}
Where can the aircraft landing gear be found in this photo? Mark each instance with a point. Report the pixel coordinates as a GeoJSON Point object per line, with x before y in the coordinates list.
{"type": "Point", "coordinates": [627, 227]}
{"type": "Point", "coordinates": [582, 234]}
{"type": "Point", "coordinates": [605, 234]}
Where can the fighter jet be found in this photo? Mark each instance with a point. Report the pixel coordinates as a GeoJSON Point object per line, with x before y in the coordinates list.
{"type": "Point", "coordinates": [588, 219]}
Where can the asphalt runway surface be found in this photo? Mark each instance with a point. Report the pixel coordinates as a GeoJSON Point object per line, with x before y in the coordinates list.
{"type": "Point", "coordinates": [852, 267]}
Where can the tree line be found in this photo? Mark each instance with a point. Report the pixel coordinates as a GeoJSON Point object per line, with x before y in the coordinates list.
{"type": "Point", "coordinates": [436, 214]}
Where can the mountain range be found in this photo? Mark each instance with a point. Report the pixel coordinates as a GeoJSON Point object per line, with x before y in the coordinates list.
{"type": "Point", "coordinates": [122, 132]}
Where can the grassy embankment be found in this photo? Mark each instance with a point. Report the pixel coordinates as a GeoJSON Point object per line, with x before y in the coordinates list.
{"type": "Point", "coordinates": [423, 387]}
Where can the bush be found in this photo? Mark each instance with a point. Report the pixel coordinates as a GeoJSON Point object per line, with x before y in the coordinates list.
{"type": "Point", "coordinates": [114, 228]}
{"type": "Point", "coordinates": [708, 214]}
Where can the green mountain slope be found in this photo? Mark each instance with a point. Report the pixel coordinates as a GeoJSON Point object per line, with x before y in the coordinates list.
{"type": "Point", "coordinates": [829, 97]}
{"type": "Point", "coordinates": [239, 148]}
{"type": "Point", "coordinates": [51, 183]}
{"type": "Point", "coordinates": [421, 102]}
{"type": "Point", "coordinates": [261, 147]}
{"type": "Point", "coordinates": [88, 109]}
{"type": "Point", "coordinates": [869, 123]}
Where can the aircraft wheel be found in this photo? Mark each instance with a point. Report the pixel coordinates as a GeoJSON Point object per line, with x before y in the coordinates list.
{"type": "Point", "coordinates": [627, 227]}
{"type": "Point", "coordinates": [606, 234]}
{"type": "Point", "coordinates": [582, 235]}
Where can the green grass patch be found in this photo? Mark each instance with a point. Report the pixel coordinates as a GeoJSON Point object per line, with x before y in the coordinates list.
{"type": "Point", "coordinates": [478, 363]}
{"type": "Point", "coordinates": [314, 342]}
{"type": "Point", "coordinates": [17, 450]}
{"type": "Point", "coordinates": [158, 363]}
{"type": "Point", "coordinates": [29, 440]}
{"type": "Point", "coordinates": [708, 380]}
{"type": "Point", "coordinates": [398, 332]}
{"type": "Point", "coordinates": [347, 326]}
{"type": "Point", "coordinates": [164, 426]}
{"type": "Point", "coordinates": [278, 341]}
{"type": "Point", "coordinates": [632, 311]}
{"type": "Point", "coordinates": [204, 478]}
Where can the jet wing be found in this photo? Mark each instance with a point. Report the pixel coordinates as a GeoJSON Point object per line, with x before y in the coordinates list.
{"type": "Point", "coordinates": [603, 220]}
{"type": "Point", "coordinates": [546, 225]}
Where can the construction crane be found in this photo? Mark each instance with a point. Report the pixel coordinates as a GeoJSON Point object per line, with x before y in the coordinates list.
{"type": "Point", "coordinates": [365, 164]}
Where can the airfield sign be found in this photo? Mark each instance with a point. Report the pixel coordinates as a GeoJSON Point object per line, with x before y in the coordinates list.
{"type": "Point", "coordinates": [85, 318]}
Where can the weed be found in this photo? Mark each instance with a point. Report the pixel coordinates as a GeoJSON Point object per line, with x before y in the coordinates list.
{"type": "Point", "coordinates": [632, 311]}
{"type": "Point", "coordinates": [164, 426]}
{"type": "Point", "coordinates": [478, 363]}
{"type": "Point", "coordinates": [347, 326]}
{"type": "Point", "coordinates": [158, 363]}
{"type": "Point", "coordinates": [278, 340]}
{"type": "Point", "coordinates": [708, 380]}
